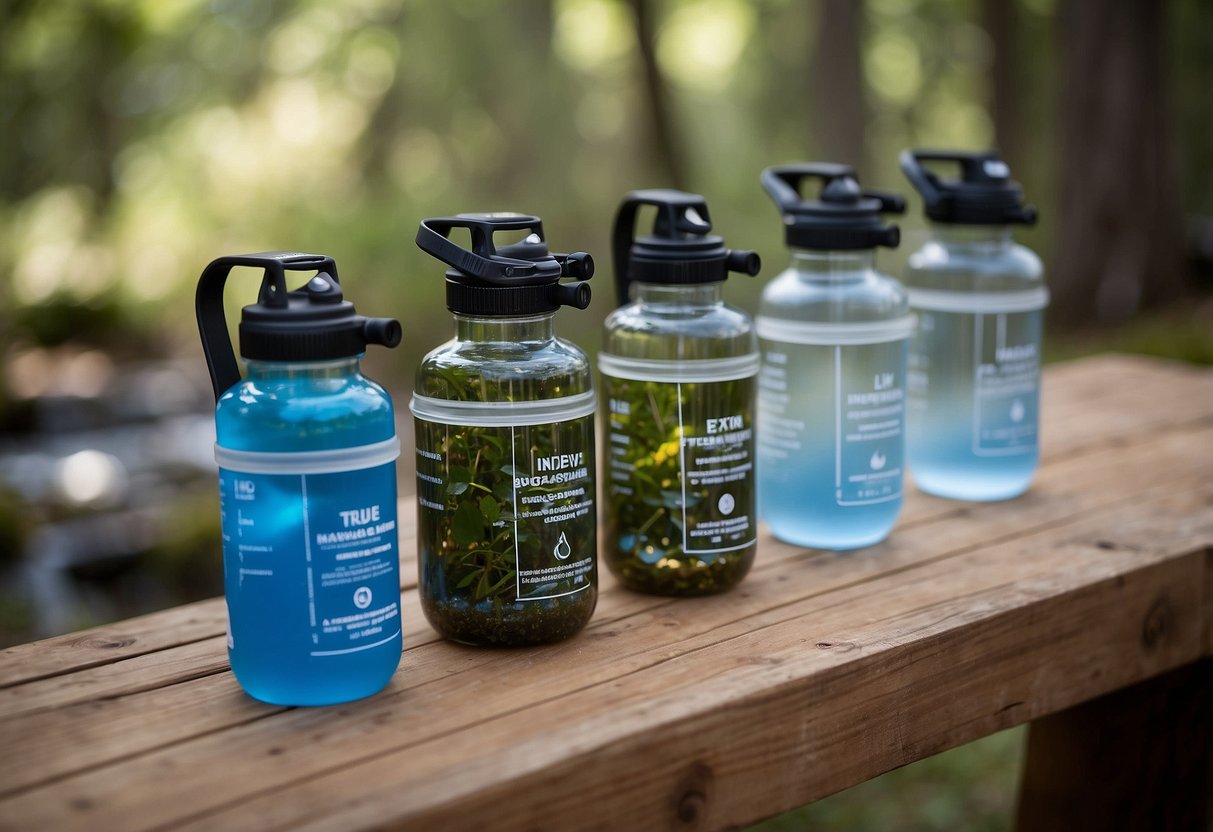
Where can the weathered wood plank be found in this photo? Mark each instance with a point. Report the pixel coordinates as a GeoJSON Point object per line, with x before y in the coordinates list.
{"type": "Point", "coordinates": [1078, 477]}
{"type": "Point", "coordinates": [111, 642]}
{"type": "Point", "coordinates": [152, 632]}
{"type": "Point", "coordinates": [590, 691]}
{"type": "Point", "coordinates": [124, 708]}
{"type": "Point", "coordinates": [149, 672]}
{"type": "Point", "coordinates": [780, 715]}
{"type": "Point", "coordinates": [1089, 403]}
{"type": "Point", "coordinates": [1052, 501]}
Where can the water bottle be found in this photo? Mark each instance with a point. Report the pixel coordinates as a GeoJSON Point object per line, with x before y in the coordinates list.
{"type": "Point", "coordinates": [307, 452]}
{"type": "Point", "coordinates": [507, 532]}
{"type": "Point", "coordinates": [678, 376]}
{"type": "Point", "coordinates": [974, 385]}
{"type": "Point", "coordinates": [832, 331]}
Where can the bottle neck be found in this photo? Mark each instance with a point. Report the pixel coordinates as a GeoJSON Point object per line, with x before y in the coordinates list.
{"type": "Point", "coordinates": [834, 266]}
{"type": "Point", "coordinates": [331, 368]}
{"type": "Point", "coordinates": [694, 295]}
{"type": "Point", "coordinates": [527, 328]}
{"type": "Point", "coordinates": [979, 237]}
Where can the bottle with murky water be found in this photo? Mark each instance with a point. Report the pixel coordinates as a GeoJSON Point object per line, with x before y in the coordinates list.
{"type": "Point", "coordinates": [678, 374]}
{"type": "Point", "coordinates": [307, 450]}
{"type": "Point", "coordinates": [507, 531]}
{"type": "Point", "coordinates": [832, 331]}
{"type": "Point", "coordinates": [974, 384]}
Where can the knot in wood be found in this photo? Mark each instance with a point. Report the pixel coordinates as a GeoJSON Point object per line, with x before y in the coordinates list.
{"type": "Point", "coordinates": [103, 643]}
{"type": "Point", "coordinates": [1157, 623]}
{"type": "Point", "coordinates": [690, 798]}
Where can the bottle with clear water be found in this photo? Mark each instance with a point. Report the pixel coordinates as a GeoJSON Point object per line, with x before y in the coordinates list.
{"type": "Point", "coordinates": [974, 384]}
{"type": "Point", "coordinates": [832, 333]}
{"type": "Point", "coordinates": [307, 448]}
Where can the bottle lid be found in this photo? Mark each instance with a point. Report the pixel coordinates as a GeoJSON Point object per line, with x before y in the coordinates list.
{"type": "Point", "coordinates": [679, 251]}
{"type": "Point", "coordinates": [983, 195]}
{"type": "Point", "coordinates": [518, 279]}
{"type": "Point", "coordinates": [843, 216]}
{"type": "Point", "coordinates": [311, 323]}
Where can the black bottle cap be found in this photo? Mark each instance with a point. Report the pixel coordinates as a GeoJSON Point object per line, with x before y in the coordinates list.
{"type": "Point", "coordinates": [311, 323]}
{"type": "Point", "coordinates": [844, 216]}
{"type": "Point", "coordinates": [983, 195]}
{"type": "Point", "coordinates": [518, 279]}
{"type": "Point", "coordinates": [679, 251]}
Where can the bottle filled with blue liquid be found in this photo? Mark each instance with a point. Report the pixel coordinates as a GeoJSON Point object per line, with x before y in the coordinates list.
{"type": "Point", "coordinates": [832, 331]}
{"type": "Point", "coordinates": [974, 384]}
{"type": "Point", "coordinates": [307, 452]}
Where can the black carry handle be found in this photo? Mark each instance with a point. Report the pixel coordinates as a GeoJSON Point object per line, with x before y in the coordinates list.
{"type": "Point", "coordinates": [976, 168]}
{"type": "Point", "coordinates": [783, 183]}
{"type": "Point", "coordinates": [678, 212]}
{"type": "Point", "coordinates": [483, 261]}
{"type": "Point", "coordinates": [208, 303]}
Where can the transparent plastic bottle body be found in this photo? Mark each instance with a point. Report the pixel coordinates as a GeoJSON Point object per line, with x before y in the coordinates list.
{"type": "Point", "coordinates": [507, 531]}
{"type": "Point", "coordinates": [678, 363]}
{"type": "Point", "coordinates": [832, 332]}
{"type": "Point", "coordinates": [974, 386]}
{"type": "Point", "coordinates": [286, 408]}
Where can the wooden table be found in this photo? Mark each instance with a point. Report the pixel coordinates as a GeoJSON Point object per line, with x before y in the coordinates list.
{"type": "Point", "coordinates": [819, 672]}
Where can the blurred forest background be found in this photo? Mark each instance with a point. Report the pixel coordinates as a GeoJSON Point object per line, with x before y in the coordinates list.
{"type": "Point", "coordinates": [143, 138]}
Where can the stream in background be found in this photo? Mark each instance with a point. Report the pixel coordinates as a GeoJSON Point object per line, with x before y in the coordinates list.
{"type": "Point", "coordinates": [107, 503]}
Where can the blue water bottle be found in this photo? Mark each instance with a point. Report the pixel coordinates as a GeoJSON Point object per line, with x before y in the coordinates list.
{"type": "Point", "coordinates": [307, 452]}
{"type": "Point", "coordinates": [832, 331]}
{"type": "Point", "coordinates": [974, 384]}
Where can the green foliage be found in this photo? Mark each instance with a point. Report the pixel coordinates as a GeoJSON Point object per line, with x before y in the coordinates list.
{"type": "Point", "coordinates": [470, 545]}
{"type": "Point", "coordinates": [15, 525]}
{"type": "Point", "coordinates": [146, 137]}
{"type": "Point", "coordinates": [645, 493]}
{"type": "Point", "coordinates": [971, 787]}
{"type": "Point", "coordinates": [1183, 334]}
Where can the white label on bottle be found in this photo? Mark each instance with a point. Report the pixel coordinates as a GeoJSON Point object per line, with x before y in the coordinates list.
{"type": "Point", "coordinates": [1006, 387]}
{"type": "Point", "coordinates": [539, 507]}
{"type": "Point", "coordinates": [314, 548]}
{"type": "Point", "coordinates": [868, 423]}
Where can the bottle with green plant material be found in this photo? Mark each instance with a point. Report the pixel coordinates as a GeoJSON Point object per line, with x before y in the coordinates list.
{"type": "Point", "coordinates": [678, 376]}
{"type": "Point", "coordinates": [974, 386]}
{"type": "Point", "coordinates": [504, 415]}
{"type": "Point", "coordinates": [833, 332]}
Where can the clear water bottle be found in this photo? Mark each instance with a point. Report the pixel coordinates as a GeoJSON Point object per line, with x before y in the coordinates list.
{"type": "Point", "coordinates": [832, 331]}
{"type": "Point", "coordinates": [507, 531]}
{"type": "Point", "coordinates": [678, 375]}
{"type": "Point", "coordinates": [974, 385]}
{"type": "Point", "coordinates": [307, 452]}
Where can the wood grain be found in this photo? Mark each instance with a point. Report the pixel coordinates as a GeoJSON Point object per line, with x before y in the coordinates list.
{"type": "Point", "coordinates": [818, 672]}
{"type": "Point", "coordinates": [127, 707]}
{"type": "Point", "coordinates": [1096, 402]}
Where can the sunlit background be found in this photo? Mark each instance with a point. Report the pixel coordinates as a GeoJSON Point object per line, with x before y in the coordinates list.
{"type": "Point", "coordinates": [142, 138]}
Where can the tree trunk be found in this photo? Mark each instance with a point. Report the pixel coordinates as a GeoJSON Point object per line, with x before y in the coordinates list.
{"type": "Point", "coordinates": [836, 78]}
{"type": "Point", "coordinates": [664, 147]}
{"type": "Point", "coordinates": [1001, 23]}
{"type": "Point", "coordinates": [1120, 231]}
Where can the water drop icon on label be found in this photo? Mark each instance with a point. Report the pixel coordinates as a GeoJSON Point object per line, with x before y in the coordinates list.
{"type": "Point", "coordinates": [563, 549]}
{"type": "Point", "coordinates": [1017, 411]}
{"type": "Point", "coordinates": [877, 461]}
